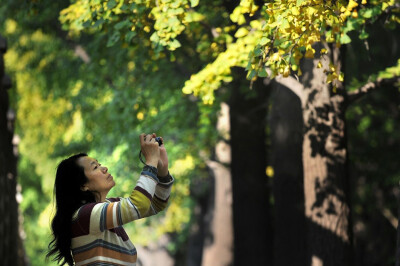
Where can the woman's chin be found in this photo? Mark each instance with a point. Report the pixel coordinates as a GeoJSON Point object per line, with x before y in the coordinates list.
{"type": "Point", "coordinates": [111, 185]}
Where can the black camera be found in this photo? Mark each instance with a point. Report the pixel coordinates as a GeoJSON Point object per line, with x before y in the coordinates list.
{"type": "Point", "coordinates": [159, 140]}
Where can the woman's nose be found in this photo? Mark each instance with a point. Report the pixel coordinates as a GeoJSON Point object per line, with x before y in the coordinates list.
{"type": "Point", "coordinates": [105, 169]}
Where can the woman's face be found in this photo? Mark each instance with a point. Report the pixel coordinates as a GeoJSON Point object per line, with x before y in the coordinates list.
{"type": "Point", "coordinates": [99, 179]}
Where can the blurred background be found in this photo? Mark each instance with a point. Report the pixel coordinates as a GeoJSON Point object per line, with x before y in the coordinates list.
{"type": "Point", "coordinates": [281, 120]}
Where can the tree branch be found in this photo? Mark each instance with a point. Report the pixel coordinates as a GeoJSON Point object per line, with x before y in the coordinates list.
{"type": "Point", "coordinates": [294, 85]}
{"type": "Point", "coordinates": [369, 87]}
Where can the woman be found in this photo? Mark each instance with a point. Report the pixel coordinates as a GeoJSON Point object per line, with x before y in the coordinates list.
{"type": "Point", "coordinates": [87, 226]}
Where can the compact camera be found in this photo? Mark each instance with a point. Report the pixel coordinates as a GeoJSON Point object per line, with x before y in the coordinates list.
{"type": "Point", "coordinates": [159, 140]}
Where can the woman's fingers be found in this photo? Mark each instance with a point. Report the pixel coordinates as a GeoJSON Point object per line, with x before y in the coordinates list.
{"type": "Point", "coordinates": [150, 149]}
{"type": "Point", "coordinates": [142, 138]}
{"type": "Point", "coordinates": [147, 137]}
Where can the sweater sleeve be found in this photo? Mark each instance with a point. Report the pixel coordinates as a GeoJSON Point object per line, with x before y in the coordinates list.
{"type": "Point", "coordinates": [147, 198]}
{"type": "Point", "coordinates": [161, 197]}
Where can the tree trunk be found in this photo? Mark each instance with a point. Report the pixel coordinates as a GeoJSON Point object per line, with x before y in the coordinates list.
{"type": "Point", "coordinates": [10, 242]}
{"type": "Point", "coordinates": [218, 242]}
{"type": "Point", "coordinates": [251, 211]}
{"type": "Point", "coordinates": [325, 168]}
{"type": "Point", "coordinates": [324, 153]}
{"type": "Point", "coordinates": [286, 127]}
{"type": "Point", "coordinates": [398, 232]}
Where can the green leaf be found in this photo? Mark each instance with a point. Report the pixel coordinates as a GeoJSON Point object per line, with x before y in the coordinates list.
{"type": "Point", "coordinates": [352, 24]}
{"type": "Point", "coordinates": [125, 7]}
{"type": "Point", "coordinates": [113, 39]}
{"type": "Point", "coordinates": [248, 67]}
{"type": "Point", "coordinates": [87, 23]}
{"type": "Point", "coordinates": [366, 13]}
{"type": "Point", "coordinates": [262, 73]}
{"type": "Point", "coordinates": [278, 42]}
{"type": "Point", "coordinates": [285, 24]}
{"type": "Point", "coordinates": [154, 37]}
{"type": "Point", "coordinates": [285, 44]}
{"type": "Point", "coordinates": [194, 3]}
{"type": "Point", "coordinates": [251, 74]}
{"type": "Point", "coordinates": [299, 2]}
{"type": "Point", "coordinates": [264, 41]}
{"type": "Point", "coordinates": [122, 24]}
{"type": "Point", "coordinates": [111, 4]}
{"type": "Point", "coordinates": [174, 44]}
{"type": "Point", "coordinates": [345, 39]}
{"type": "Point", "coordinates": [129, 36]}
{"type": "Point", "coordinates": [98, 22]}
{"type": "Point", "coordinates": [363, 35]}
{"type": "Point", "coordinates": [193, 16]}
{"type": "Point", "coordinates": [364, 124]}
{"type": "Point", "coordinates": [257, 52]}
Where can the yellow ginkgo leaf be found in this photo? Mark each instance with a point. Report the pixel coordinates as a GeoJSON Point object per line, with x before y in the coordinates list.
{"type": "Point", "coordinates": [352, 4]}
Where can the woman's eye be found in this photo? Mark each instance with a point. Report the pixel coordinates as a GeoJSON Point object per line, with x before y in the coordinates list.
{"type": "Point", "coordinates": [97, 166]}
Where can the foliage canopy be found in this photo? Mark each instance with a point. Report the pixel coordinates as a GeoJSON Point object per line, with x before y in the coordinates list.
{"type": "Point", "coordinates": [267, 38]}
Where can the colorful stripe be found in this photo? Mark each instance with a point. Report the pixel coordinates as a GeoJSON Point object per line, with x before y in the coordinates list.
{"type": "Point", "coordinates": [99, 263]}
{"type": "Point", "coordinates": [140, 201]}
{"type": "Point", "coordinates": [98, 235]}
{"type": "Point", "coordinates": [162, 200]}
{"type": "Point", "coordinates": [104, 260]}
{"type": "Point", "coordinates": [144, 192]}
{"type": "Point", "coordinates": [119, 213]}
{"type": "Point", "coordinates": [135, 209]}
{"type": "Point", "coordinates": [103, 243]}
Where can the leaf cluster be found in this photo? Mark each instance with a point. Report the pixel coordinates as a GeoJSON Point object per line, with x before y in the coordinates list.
{"type": "Point", "coordinates": [292, 27]}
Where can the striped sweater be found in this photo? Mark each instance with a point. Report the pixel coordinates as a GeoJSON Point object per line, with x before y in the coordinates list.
{"type": "Point", "coordinates": [98, 237]}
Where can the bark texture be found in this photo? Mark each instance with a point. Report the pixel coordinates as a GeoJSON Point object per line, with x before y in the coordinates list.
{"type": "Point", "coordinates": [398, 233]}
{"type": "Point", "coordinates": [251, 212]}
{"type": "Point", "coordinates": [11, 251]}
{"type": "Point", "coordinates": [324, 156]}
{"type": "Point", "coordinates": [286, 127]}
{"type": "Point", "coordinates": [218, 246]}
{"type": "Point", "coordinates": [218, 243]}
{"type": "Point", "coordinates": [325, 168]}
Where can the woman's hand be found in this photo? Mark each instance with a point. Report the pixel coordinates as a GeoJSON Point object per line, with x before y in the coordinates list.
{"type": "Point", "coordinates": [163, 162]}
{"type": "Point", "coordinates": [150, 149]}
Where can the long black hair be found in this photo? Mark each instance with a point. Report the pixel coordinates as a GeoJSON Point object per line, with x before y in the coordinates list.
{"type": "Point", "coordinates": [70, 177]}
